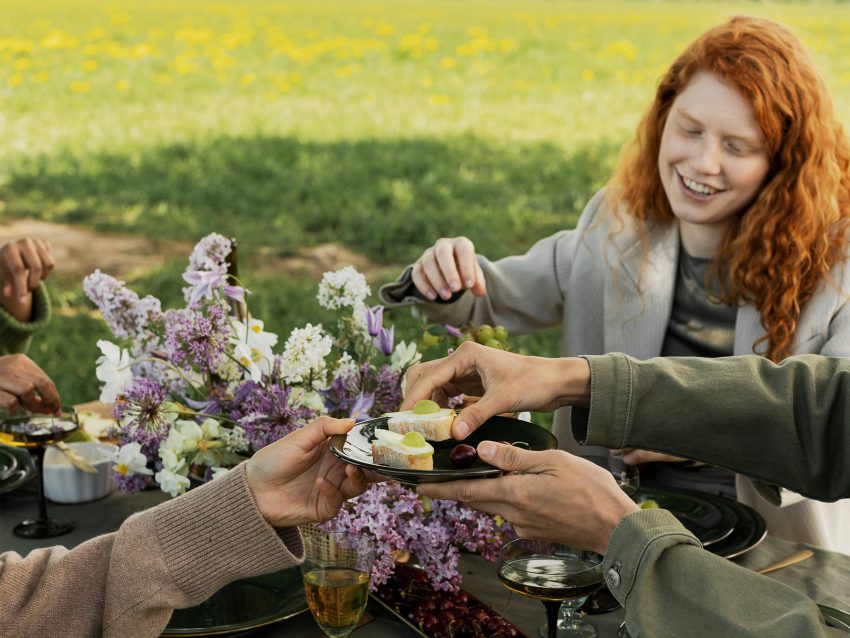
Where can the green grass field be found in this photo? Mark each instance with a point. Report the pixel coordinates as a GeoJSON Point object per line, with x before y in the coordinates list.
{"type": "Point", "coordinates": [380, 125]}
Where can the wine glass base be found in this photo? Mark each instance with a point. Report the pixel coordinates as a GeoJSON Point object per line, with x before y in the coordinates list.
{"type": "Point", "coordinates": [43, 528]}
{"type": "Point", "coordinates": [570, 629]}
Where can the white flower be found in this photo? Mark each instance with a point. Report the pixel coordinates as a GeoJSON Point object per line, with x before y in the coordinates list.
{"type": "Point", "coordinates": [199, 442]}
{"type": "Point", "coordinates": [304, 354]}
{"type": "Point", "coordinates": [345, 287]}
{"type": "Point", "coordinates": [172, 477]}
{"type": "Point", "coordinates": [346, 366]}
{"type": "Point", "coordinates": [253, 347]}
{"type": "Point", "coordinates": [404, 356]}
{"type": "Point", "coordinates": [113, 368]}
{"type": "Point", "coordinates": [302, 398]}
{"type": "Point", "coordinates": [235, 439]}
{"type": "Point", "coordinates": [218, 472]}
{"type": "Point", "coordinates": [129, 460]}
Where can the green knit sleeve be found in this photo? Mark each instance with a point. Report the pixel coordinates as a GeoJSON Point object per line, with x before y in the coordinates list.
{"type": "Point", "coordinates": [15, 335]}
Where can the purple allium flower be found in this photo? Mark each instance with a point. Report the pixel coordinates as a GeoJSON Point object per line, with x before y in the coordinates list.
{"type": "Point", "coordinates": [198, 336]}
{"type": "Point", "coordinates": [265, 414]}
{"type": "Point", "coordinates": [374, 320]}
{"type": "Point", "coordinates": [142, 415]}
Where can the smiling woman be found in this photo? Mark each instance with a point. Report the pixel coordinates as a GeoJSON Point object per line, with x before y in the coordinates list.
{"type": "Point", "coordinates": [723, 231]}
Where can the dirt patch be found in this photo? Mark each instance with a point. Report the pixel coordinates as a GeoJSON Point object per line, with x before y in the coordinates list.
{"type": "Point", "coordinates": [79, 251]}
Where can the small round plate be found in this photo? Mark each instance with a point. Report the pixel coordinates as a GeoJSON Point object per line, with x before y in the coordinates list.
{"type": "Point", "coordinates": [708, 520]}
{"type": "Point", "coordinates": [356, 448]}
{"type": "Point", "coordinates": [8, 463]}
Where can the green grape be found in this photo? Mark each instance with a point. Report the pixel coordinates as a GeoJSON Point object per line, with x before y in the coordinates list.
{"type": "Point", "coordinates": [413, 439]}
{"type": "Point", "coordinates": [429, 340]}
{"type": "Point", "coordinates": [425, 406]}
{"type": "Point", "coordinates": [484, 333]}
{"type": "Point", "coordinates": [493, 343]}
{"type": "Point", "coordinates": [500, 333]}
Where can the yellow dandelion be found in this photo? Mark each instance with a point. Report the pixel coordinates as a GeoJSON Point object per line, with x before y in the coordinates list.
{"type": "Point", "coordinates": [90, 65]}
{"type": "Point", "coordinates": [439, 100]}
{"type": "Point", "coordinates": [427, 81]}
{"type": "Point", "coordinates": [508, 45]}
{"type": "Point", "coordinates": [283, 86]}
{"type": "Point", "coordinates": [247, 79]}
{"type": "Point", "coordinates": [385, 29]}
{"type": "Point", "coordinates": [41, 77]}
{"type": "Point", "coordinates": [424, 29]}
{"type": "Point", "coordinates": [22, 64]}
{"type": "Point", "coordinates": [80, 86]}
{"type": "Point", "coordinates": [587, 75]}
{"type": "Point", "coordinates": [164, 78]}
{"type": "Point", "coordinates": [14, 80]}
{"type": "Point", "coordinates": [448, 63]}
{"type": "Point", "coordinates": [431, 44]}
{"type": "Point", "coordinates": [345, 71]}
{"type": "Point", "coordinates": [122, 85]}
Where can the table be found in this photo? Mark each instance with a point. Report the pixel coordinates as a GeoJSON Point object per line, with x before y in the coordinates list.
{"type": "Point", "coordinates": [825, 577]}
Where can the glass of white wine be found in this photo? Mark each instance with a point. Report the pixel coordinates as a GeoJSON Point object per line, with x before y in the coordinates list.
{"type": "Point", "coordinates": [336, 571]}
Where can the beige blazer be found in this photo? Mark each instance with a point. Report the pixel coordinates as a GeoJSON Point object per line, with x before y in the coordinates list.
{"type": "Point", "coordinates": [610, 292]}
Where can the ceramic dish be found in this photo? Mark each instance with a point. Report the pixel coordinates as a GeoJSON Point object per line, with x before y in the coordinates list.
{"type": "Point", "coordinates": [356, 448]}
{"type": "Point", "coordinates": [23, 474]}
{"type": "Point", "coordinates": [64, 483]}
{"type": "Point", "coordinates": [709, 520]}
{"type": "Point", "coordinates": [243, 605]}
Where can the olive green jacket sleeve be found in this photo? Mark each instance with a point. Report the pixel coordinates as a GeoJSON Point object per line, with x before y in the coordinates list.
{"type": "Point", "coordinates": [784, 423]}
{"type": "Point", "coordinates": [670, 586]}
{"type": "Point", "coordinates": [15, 335]}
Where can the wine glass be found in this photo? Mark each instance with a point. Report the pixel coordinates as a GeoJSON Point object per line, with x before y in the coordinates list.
{"type": "Point", "coordinates": [557, 575]}
{"type": "Point", "coordinates": [336, 571]}
{"type": "Point", "coordinates": [35, 432]}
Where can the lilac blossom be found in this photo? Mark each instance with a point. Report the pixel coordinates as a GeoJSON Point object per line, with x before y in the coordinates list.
{"type": "Point", "coordinates": [198, 336]}
{"type": "Point", "coordinates": [206, 282]}
{"type": "Point", "coordinates": [362, 404]}
{"type": "Point", "coordinates": [127, 315]}
{"type": "Point", "coordinates": [210, 253]}
{"type": "Point", "coordinates": [382, 383]}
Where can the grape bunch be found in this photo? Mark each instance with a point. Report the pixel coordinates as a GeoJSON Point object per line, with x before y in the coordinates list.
{"type": "Point", "coordinates": [441, 614]}
{"type": "Point", "coordinates": [485, 334]}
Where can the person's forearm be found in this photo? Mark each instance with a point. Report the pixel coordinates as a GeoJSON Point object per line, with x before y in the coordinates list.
{"type": "Point", "coordinates": [783, 423]}
{"type": "Point", "coordinates": [673, 587]}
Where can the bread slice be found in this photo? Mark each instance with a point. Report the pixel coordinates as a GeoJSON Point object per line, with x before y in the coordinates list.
{"type": "Point", "coordinates": [389, 449]}
{"type": "Point", "coordinates": [436, 426]}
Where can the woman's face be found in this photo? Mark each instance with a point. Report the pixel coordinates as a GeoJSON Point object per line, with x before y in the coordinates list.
{"type": "Point", "coordinates": [713, 158]}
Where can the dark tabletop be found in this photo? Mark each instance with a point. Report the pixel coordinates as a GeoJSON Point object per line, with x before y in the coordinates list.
{"type": "Point", "coordinates": [825, 577]}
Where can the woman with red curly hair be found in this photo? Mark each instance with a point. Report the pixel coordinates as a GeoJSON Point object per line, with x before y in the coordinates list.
{"type": "Point", "coordinates": [723, 232]}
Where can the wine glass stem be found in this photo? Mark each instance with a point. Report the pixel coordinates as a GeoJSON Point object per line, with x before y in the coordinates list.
{"type": "Point", "coordinates": [38, 453]}
{"type": "Point", "coordinates": [552, 607]}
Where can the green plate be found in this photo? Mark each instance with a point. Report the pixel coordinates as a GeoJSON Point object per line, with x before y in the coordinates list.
{"type": "Point", "coordinates": [22, 474]}
{"type": "Point", "coordinates": [243, 605]}
{"type": "Point", "coordinates": [356, 448]}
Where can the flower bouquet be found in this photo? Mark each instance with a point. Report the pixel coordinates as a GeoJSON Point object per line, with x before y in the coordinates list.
{"type": "Point", "coordinates": [198, 388]}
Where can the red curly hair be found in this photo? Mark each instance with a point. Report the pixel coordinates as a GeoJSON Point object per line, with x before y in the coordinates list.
{"type": "Point", "coordinates": [783, 245]}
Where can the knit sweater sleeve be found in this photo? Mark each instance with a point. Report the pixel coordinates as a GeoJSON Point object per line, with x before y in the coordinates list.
{"type": "Point", "coordinates": [127, 583]}
{"type": "Point", "coordinates": [15, 335]}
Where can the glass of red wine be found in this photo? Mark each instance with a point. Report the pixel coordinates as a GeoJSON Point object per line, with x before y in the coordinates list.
{"type": "Point", "coordinates": [35, 432]}
{"type": "Point", "coordinates": [556, 574]}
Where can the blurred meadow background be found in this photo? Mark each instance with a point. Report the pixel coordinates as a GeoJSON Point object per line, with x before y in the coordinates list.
{"type": "Point", "coordinates": [321, 133]}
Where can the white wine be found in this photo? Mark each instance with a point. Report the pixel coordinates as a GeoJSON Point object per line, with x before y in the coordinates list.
{"type": "Point", "coordinates": [551, 577]}
{"type": "Point", "coordinates": [337, 596]}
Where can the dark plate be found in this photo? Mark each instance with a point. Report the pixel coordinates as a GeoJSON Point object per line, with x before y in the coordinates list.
{"type": "Point", "coordinates": [356, 448]}
{"type": "Point", "coordinates": [8, 463]}
{"type": "Point", "coordinates": [243, 605]}
{"type": "Point", "coordinates": [835, 618]}
{"type": "Point", "coordinates": [709, 518]}
{"type": "Point", "coordinates": [749, 532]}
{"type": "Point", "coordinates": [23, 474]}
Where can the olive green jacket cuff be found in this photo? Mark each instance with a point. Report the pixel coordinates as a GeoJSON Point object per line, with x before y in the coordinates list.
{"type": "Point", "coordinates": [15, 335]}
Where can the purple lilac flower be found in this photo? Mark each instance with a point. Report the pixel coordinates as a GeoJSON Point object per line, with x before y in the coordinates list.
{"type": "Point", "coordinates": [198, 336]}
{"type": "Point", "coordinates": [127, 315]}
{"type": "Point", "coordinates": [210, 254]}
{"type": "Point", "coordinates": [265, 414]}
{"type": "Point", "coordinates": [374, 320]}
{"type": "Point", "coordinates": [133, 483]}
{"type": "Point", "coordinates": [383, 384]}
{"type": "Point", "coordinates": [362, 404]}
{"type": "Point", "coordinates": [385, 340]}
{"type": "Point", "coordinates": [206, 282]}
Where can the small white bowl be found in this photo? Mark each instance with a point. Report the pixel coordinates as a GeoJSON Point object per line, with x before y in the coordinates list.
{"type": "Point", "coordinates": [63, 483]}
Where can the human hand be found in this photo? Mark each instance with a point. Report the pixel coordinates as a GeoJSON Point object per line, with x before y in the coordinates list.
{"type": "Point", "coordinates": [553, 495]}
{"type": "Point", "coordinates": [634, 456]}
{"type": "Point", "coordinates": [447, 267]}
{"type": "Point", "coordinates": [507, 382]}
{"type": "Point", "coordinates": [23, 385]}
{"type": "Point", "coordinates": [23, 265]}
{"type": "Point", "coordinates": [297, 479]}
